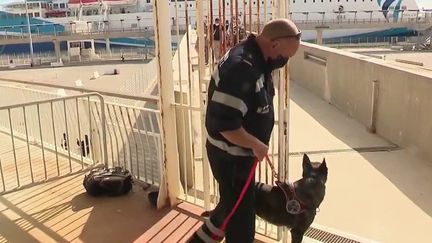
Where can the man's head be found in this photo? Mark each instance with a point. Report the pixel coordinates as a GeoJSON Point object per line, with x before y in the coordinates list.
{"type": "Point", "coordinates": [217, 21]}
{"type": "Point", "coordinates": [279, 40]}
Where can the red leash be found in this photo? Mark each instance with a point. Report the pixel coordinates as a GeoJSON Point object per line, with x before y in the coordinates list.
{"type": "Point", "coordinates": [242, 194]}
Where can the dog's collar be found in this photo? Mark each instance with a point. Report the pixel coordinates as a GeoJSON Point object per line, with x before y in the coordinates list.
{"type": "Point", "coordinates": [293, 205]}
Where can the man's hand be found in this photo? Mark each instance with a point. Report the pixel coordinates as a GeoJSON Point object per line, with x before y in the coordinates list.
{"type": "Point", "coordinates": [242, 138]}
{"type": "Point", "coordinates": [260, 150]}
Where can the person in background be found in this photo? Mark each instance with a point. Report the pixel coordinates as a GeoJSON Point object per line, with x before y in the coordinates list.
{"type": "Point", "coordinates": [217, 39]}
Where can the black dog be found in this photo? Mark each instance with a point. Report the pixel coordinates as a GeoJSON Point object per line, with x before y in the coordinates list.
{"type": "Point", "coordinates": [293, 206]}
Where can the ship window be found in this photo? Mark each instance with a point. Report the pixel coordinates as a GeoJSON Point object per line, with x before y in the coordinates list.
{"type": "Point", "coordinates": [37, 14]}
{"type": "Point", "coordinates": [148, 1]}
{"type": "Point", "coordinates": [62, 5]}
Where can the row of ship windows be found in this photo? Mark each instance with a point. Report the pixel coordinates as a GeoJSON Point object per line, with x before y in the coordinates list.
{"type": "Point", "coordinates": [246, 2]}
{"type": "Point", "coordinates": [11, 16]}
{"type": "Point", "coordinates": [294, 1]}
{"type": "Point", "coordinates": [314, 1]}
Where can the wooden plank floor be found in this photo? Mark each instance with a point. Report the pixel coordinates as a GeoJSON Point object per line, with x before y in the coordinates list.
{"type": "Point", "coordinates": [179, 225]}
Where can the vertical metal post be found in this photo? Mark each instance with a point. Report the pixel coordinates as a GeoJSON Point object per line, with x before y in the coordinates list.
{"type": "Point", "coordinates": [170, 179]}
{"type": "Point", "coordinates": [67, 135]}
{"type": "Point", "coordinates": [283, 10]}
{"type": "Point", "coordinates": [28, 144]}
{"type": "Point", "coordinates": [250, 16]}
{"type": "Point", "coordinates": [121, 136]}
{"type": "Point", "coordinates": [42, 141]}
{"type": "Point", "coordinates": [141, 143]}
{"type": "Point", "coordinates": [201, 73]}
{"type": "Point", "coordinates": [13, 147]}
{"type": "Point", "coordinates": [148, 144]}
{"type": "Point", "coordinates": [115, 135]}
{"type": "Point", "coordinates": [237, 21]}
{"type": "Point", "coordinates": [30, 34]}
{"type": "Point", "coordinates": [103, 127]}
{"type": "Point", "coordinates": [224, 30]}
{"type": "Point", "coordinates": [244, 15]}
{"type": "Point", "coordinates": [232, 39]}
{"type": "Point", "coordinates": [91, 129]}
{"type": "Point", "coordinates": [127, 138]}
{"type": "Point", "coordinates": [81, 145]}
{"type": "Point", "coordinates": [55, 139]}
{"type": "Point", "coordinates": [258, 20]}
{"type": "Point", "coordinates": [135, 141]}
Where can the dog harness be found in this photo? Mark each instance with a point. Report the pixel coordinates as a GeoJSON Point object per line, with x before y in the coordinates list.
{"type": "Point", "coordinates": [293, 205]}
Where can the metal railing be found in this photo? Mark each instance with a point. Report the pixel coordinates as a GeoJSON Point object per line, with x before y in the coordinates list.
{"type": "Point", "coordinates": [45, 139]}
{"type": "Point", "coordinates": [24, 59]}
{"type": "Point", "coordinates": [41, 131]}
{"type": "Point", "coordinates": [69, 29]}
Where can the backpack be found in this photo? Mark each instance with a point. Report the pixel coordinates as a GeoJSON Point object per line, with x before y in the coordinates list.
{"type": "Point", "coordinates": [108, 181]}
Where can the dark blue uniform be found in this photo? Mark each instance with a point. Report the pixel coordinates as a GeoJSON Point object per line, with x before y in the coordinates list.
{"type": "Point", "coordinates": [240, 95]}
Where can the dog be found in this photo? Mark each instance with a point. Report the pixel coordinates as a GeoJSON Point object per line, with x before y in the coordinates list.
{"type": "Point", "coordinates": [293, 206]}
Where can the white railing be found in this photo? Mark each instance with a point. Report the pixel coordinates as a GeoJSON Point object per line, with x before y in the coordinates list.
{"type": "Point", "coordinates": [41, 131]}
{"type": "Point", "coordinates": [68, 134]}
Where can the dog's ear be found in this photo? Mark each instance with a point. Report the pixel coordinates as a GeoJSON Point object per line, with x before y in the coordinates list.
{"type": "Point", "coordinates": [323, 166]}
{"type": "Point", "coordinates": [307, 166]}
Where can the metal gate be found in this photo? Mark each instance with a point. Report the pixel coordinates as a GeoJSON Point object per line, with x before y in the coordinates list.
{"type": "Point", "coordinates": [191, 76]}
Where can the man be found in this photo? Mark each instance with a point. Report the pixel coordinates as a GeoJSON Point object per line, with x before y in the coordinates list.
{"type": "Point", "coordinates": [217, 39]}
{"type": "Point", "coordinates": [239, 122]}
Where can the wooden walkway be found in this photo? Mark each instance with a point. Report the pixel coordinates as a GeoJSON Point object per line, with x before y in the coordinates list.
{"type": "Point", "coordinates": [179, 225]}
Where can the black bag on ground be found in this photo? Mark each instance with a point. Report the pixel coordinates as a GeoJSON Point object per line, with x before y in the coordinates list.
{"type": "Point", "coordinates": [108, 181]}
